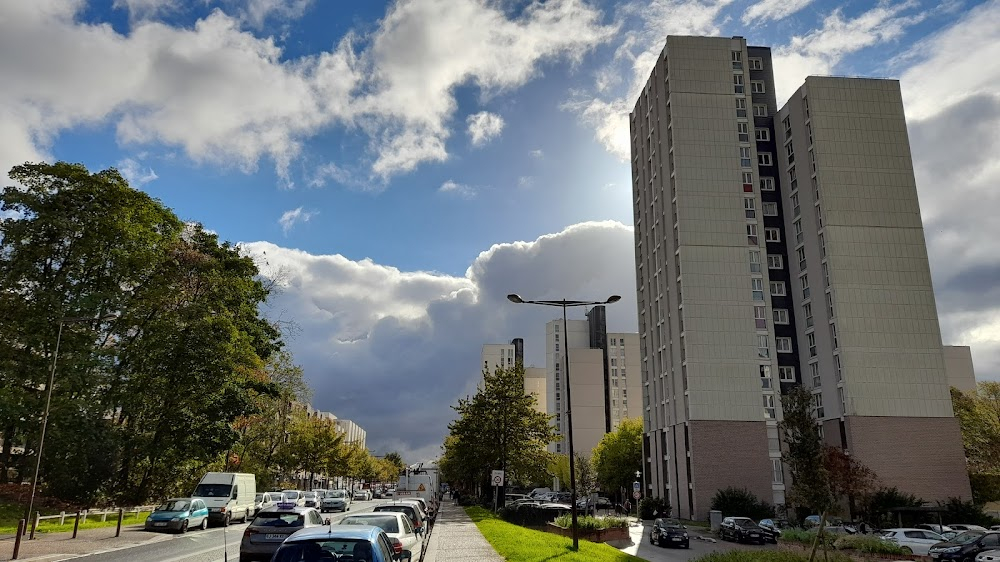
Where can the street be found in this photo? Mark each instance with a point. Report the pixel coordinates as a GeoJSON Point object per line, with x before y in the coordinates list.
{"type": "Point", "coordinates": [198, 546]}
{"type": "Point", "coordinates": [643, 549]}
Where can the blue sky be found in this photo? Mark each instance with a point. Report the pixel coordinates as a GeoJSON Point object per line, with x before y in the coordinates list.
{"type": "Point", "coordinates": [390, 158]}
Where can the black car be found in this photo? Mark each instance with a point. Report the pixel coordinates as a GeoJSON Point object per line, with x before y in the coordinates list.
{"type": "Point", "coordinates": [965, 546]}
{"type": "Point", "coordinates": [741, 529]}
{"type": "Point", "coordinates": [772, 529]}
{"type": "Point", "coordinates": [669, 532]}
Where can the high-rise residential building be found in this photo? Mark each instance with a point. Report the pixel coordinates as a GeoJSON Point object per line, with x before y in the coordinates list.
{"type": "Point", "coordinates": [603, 374]}
{"type": "Point", "coordinates": [872, 350]}
{"type": "Point", "coordinates": [502, 355]}
{"type": "Point", "coordinates": [733, 285]}
{"type": "Point", "coordinates": [535, 383]}
{"type": "Point", "coordinates": [958, 366]}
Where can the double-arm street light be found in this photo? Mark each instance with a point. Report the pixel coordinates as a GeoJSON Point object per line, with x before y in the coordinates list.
{"type": "Point", "coordinates": [569, 405]}
{"type": "Point", "coordinates": [48, 394]}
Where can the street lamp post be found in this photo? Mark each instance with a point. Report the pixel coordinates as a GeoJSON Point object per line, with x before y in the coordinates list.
{"type": "Point", "coordinates": [516, 299]}
{"type": "Point", "coordinates": [48, 397]}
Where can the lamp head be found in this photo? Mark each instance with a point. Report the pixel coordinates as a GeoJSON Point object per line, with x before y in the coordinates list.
{"type": "Point", "coordinates": [515, 298]}
{"type": "Point", "coordinates": [613, 299]}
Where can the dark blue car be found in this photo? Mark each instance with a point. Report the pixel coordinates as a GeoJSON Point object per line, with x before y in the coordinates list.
{"type": "Point", "coordinates": [353, 543]}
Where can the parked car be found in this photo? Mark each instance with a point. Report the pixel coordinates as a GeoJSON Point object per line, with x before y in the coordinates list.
{"type": "Point", "coordinates": [913, 541]}
{"type": "Point", "coordinates": [411, 510]}
{"type": "Point", "coordinates": [336, 500]}
{"type": "Point", "coordinates": [965, 546]}
{"type": "Point", "coordinates": [294, 496]}
{"type": "Point", "coordinates": [669, 532]}
{"type": "Point", "coordinates": [228, 495]}
{"type": "Point", "coordinates": [265, 500]}
{"type": "Point", "coordinates": [511, 498]}
{"type": "Point", "coordinates": [389, 493]}
{"type": "Point", "coordinates": [963, 527]}
{"type": "Point", "coordinates": [310, 499]}
{"type": "Point", "coordinates": [771, 528]}
{"type": "Point", "coordinates": [178, 514]}
{"type": "Point", "coordinates": [272, 526]}
{"type": "Point", "coordinates": [741, 529]}
{"type": "Point", "coordinates": [362, 495]}
{"type": "Point", "coordinates": [377, 495]}
{"type": "Point", "coordinates": [988, 556]}
{"type": "Point", "coordinates": [934, 527]}
{"type": "Point", "coordinates": [396, 525]}
{"type": "Point", "coordinates": [340, 542]}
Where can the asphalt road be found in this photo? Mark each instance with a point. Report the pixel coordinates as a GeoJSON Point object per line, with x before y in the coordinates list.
{"type": "Point", "coordinates": [698, 548]}
{"type": "Point", "coordinates": [200, 546]}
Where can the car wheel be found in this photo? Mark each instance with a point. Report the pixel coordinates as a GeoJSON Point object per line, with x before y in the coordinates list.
{"type": "Point", "coordinates": [226, 521]}
{"type": "Point", "coordinates": [204, 524]}
{"type": "Point", "coordinates": [184, 526]}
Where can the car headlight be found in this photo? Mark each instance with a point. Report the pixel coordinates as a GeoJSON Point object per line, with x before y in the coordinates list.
{"type": "Point", "coordinates": [685, 535]}
{"type": "Point", "coordinates": [176, 519]}
{"type": "Point", "coordinates": [947, 550]}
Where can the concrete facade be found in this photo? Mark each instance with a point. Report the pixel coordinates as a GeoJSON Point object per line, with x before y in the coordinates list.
{"type": "Point", "coordinates": [535, 383]}
{"type": "Point", "coordinates": [958, 366]}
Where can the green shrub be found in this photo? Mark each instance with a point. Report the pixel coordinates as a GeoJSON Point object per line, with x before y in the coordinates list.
{"type": "Point", "coordinates": [868, 544]}
{"type": "Point", "coordinates": [805, 538]}
{"type": "Point", "coordinates": [766, 556]}
{"type": "Point", "coordinates": [740, 502]}
{"type": "Point", "coordinates": [968, 512]}
{"type": "Point", "coordinates": [527, 515]}
{"type": "Point", "coordinates": [588, 523]}
{"type": "Point", "coordinates": [650, 508]}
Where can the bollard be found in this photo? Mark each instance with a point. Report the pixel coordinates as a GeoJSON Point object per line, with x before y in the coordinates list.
{"type": "Point", "coordinates": [76, 524]}
{"type": "Point", "coordinates": [62, 517]}
{"type": "Point", "coordinates": [118, 531]}
{"type": "Point", "coordinates": [17, 540]}
{"type": "Point", "coordinates": [34, 524]}
{"type": "Point", "coordinates": [104, 516]}
{"type": "Point", "coordinates": [84, 516]}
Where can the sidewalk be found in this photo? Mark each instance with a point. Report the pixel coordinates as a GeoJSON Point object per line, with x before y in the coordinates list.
{"type": "Point", "coordinates": [50, 547]}
{"type": "Point", "coordinates": [456, 538]}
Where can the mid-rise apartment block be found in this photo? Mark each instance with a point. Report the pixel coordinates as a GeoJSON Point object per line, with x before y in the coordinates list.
{"type": "Point", "coordinates": [735, 288]}
{"type": "Point", "coordinates": [958, 366]}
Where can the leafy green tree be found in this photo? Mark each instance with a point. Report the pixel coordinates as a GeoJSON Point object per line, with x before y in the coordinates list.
{"type": "Point", "coordinates": [804, 457]}
{"type": "Point", "coordinates": [618, 456]}
{"type": "Point", "coordinates": [315, 446]}
{"type": "Point", "coordinates": [396, 460]}
{"type": "Point", "coordinates": [876, 507]}
{"type": "Point", "coordinates": [740, 502]}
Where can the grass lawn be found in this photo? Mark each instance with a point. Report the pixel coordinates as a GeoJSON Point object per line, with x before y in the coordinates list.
{"type": "Point", "coordinates": [769, 556]}
{"type": "Point", "coordinates": [518, 544]}
{"type": "Point", "coordinates": [10, 514]}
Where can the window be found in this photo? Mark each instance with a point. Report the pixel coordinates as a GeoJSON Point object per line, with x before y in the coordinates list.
{"type": "Point", "coordinates": [774, 261]}
{"type": "Point", "coordinates": [765, 377]}
{"type": "Point", "coordinates": [752, 234]}
{"type": "Point", "coordinates": [772, 235]}
{"type": "Point", "coordinates": [762, 134]}
{"type": "Point", "coordinates": [797, 230]}
{"type": "Point", "coordinates": [766, 184]}
{"type": "Point", "coordinates": [759, 110]}
{"type": "Point", "coordinates": [777, 474]}
{"type": "Point", "coordinates": [745, 156]}
{"type": "Point", "coordinates": [790, 152]}
{"type": "Point", "coordinates": [800, 253]}
{"type": "Point", "coordinates": [793, 178]}
{"type": "Point", "coordinates": [747, 182]}
{"type": "Point", "coordinates": [757, 86]}
{"type": "Point", "coordinates": [807, 311]}
{"type": "Point", "coordinates": [795, 204]}
{"type": "Point", "coordinates": [783, 345]}
{"type": "Point", "coordinates": [754, 261]}
{"type": "Point", "coordinates": [743, 131]}
{"type": "Point", "coordinates": [769, 406]}
{"type": "Point", "coordinates": [614, 341]}
{"type": "Point", "coordinates": [757, 286]}
{"type": "Point", "coordinates": [836, 363]}
{"type": "Point", "coordinates": [738, 83]}
{"type": "Point", "coordinates": [811, 340]}
{"type": "Point", "coordinates": [760, 317]}
{"type": "Point", "coordinates": [786, 374]}
{"type": "Point", "coordinates": [749, 208]}
{"type": "Point", "coordinates": [770, 209]}
{"type": "Point", "coordinates": [829, 305]}
{"type": "Point", "coordinates": [777, 288]}
{"type": "Point", "coordinates": [780, 315]}
{"type": "Point", "coordinates": [833, 336]}
{"type": "Point", "coordinates": [737, 60]}
{"type": "Point", "coordinates": [763, 347]}
{"type": "Point", "coordinates": [818, 406]}
{"type": "Point", "coordinates": [756, 63]}
{"type": "Point", "coordinates": [814, 372]}
{"type": "Point", "coordinates": [764, 158]}
{"type": "Point", "coordinates": [741, 107]}
{"type": "Point", "coordinates": [826, 277]}
{"type": "Point", "coordinates": [804, 283]}
{"type": "Point", "coordinates": [819, 215]}
{"type": "Point", "coordinates": [787, 124]}
{"type": "Point", "coordinates": [822, 246]}
{"type": "Point", "coordinates": [557, 346]}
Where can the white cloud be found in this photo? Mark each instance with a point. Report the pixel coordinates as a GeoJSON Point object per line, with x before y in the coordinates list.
{"type": "Point", "coordinates": [773, 10]}
{"type": "Point", "coordinates": [525, 182]}
{"type": "Point", "coordinates": [537, 153]}
{"type": "Point", "coordinates": [135, 173]}
{"type": "Point", "coordinates": [328, 171]}
{"type": "Point", "coordinates": [146, 9]}
{"type": "Point", "coordinates": [199, 87]}
{"type": "Point", "coordinates": [458, 189]}
{"type": "Point", "coordinates": [417, 336]}
{"type": "Point", "coordinates": [290, 218]}
{"type": "Point", "coordinates": [484, 127]}
{"type": "Point", "coordinates": [257, 12]}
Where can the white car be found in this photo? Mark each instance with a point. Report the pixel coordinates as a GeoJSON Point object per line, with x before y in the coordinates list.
{"type": "Point", "coordinates": [295, 496]}
{"type": "Point", "coordinates": [988, 556]}
{"type": "Point", "coordinates": [395, 524]}
{"type": "Point", "coordinates": [362, 495]}
{"type": "Point", "coordinates": [266, 500]}
{"type": "Point", "coordinates": [917, 541]}
{"type": "Point", "coordinates": [934, 527]}
{"type": "Point", "coordinates": [963, 528]}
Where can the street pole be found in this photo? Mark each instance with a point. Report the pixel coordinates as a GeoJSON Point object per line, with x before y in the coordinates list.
{"type": "Point", "coordinates": [45, 420]}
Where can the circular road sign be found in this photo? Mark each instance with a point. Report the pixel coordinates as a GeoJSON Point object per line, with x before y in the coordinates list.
{"type": "Point", "coordinates": [636, 495]}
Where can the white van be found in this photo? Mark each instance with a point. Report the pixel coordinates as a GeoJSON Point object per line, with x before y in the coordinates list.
{"type": "Point", "coordinates": [228, 495]}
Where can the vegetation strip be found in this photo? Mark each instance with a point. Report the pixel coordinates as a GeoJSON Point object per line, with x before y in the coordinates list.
{"type": "Point", "coordinates": [518, 544]}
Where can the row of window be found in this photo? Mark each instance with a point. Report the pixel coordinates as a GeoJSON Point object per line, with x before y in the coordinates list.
{"type": "Point", "coordinates": [756, 63]}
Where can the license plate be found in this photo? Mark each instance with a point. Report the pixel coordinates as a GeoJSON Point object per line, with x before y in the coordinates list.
{"type": "Point", "coordinates": [275, 536]}
{"type": "Point", "coordinates": [678, 539]}
{"type": "Point", "coordinates": [754, 535]}
{"type": "Point", "coordinates": [160, 524]}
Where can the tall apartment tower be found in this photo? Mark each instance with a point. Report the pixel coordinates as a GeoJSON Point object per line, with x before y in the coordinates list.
{"type": "Point", "coordinates": [871, 348]}
{"type": "Point", "coordinates": [707, 223]}
{"type": "Point", "coordinates": [603, 374]}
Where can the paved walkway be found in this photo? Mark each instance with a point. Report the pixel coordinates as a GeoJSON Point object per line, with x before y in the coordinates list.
{"type": "Point", "coordinates": [60, 546]}
{"type": "Point", "coordinates": [455, 538]}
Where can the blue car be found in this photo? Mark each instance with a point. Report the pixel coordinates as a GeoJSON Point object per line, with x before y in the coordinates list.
{"type": "Point", "coordinates": [358, 543]}
{"type": "Point", "coordinates": [179, 515]}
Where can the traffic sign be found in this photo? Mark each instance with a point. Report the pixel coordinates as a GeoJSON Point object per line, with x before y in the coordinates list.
{"type": "Point", "coordinates": [635, 487]}
{"type": "Point", "coordinates": [636, 494]}
{"type": "Point", "coordinates": [496, 478]}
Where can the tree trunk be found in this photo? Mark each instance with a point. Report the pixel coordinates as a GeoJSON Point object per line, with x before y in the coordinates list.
{"type": "Point", "coordinates": [819, 536]}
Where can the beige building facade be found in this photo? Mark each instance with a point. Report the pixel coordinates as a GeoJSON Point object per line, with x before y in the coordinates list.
{"type": "Point", "coordinates": [535, 384]}
{"type": "Point", "coordinates": [959, 368]}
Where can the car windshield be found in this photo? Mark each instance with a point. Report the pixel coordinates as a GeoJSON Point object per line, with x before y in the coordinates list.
{"type": "Point", "coordinates": [258, 498]}
{"type": "Point", "coordinates": [320, 550]}
{"type": "Point", "coordinates": [174, 505]}
{"type": "Point", "coordinates": [292, 495]}
{"type": "Point", "coordinates": [277, 519]}
{"type": "Point", "coordinates": [412, 513]}
{"type": "Point", "coordinates": [213, 490]}
{"type": "Point", "coordinates": [309, 495]}
{"type": "Point", "coordinates": [966, 537]}
{"type": "Point", "coordinates": [746, 523]}
{"type": "Point", "coordinates": [338, 494]}
{"type": "Point", "coordinates": [672, 524]}
{"type": "Point", "coordinates": [387, 523]}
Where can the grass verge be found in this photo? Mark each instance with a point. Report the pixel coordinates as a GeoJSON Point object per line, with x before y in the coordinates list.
{"type": "Point", "coordinates": [518, 544]}
{"type": "Point", "coordinates": [768, 556]}
{"type": "Point", "coordinates": [10, 514]}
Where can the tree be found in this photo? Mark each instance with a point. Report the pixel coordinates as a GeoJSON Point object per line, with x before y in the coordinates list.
{"type": "Point", "coordinates": [804, 457]}
{"type": "Point", "coordinates": [396, 460]}
{"type": "Point", "coordinates": [741, 502]}
{"type": "Point", "coordinates": [498, 428]}
{"type": "Point", "coordinates": [849, 479]}
{"type": "Point", "coordinates": [315, 446]}
{"type": "Point", "coordinates": [617, 457]}
{"type": "Point", "coordinates": [586, 475]}
{"type": "Point", "coordinates": [876, 507]}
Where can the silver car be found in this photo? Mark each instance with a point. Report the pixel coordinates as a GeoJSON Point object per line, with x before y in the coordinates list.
{"type": "Point", "coordinates": [336, 500]}
{"type": "Point", "coordinates": [272, 526]}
